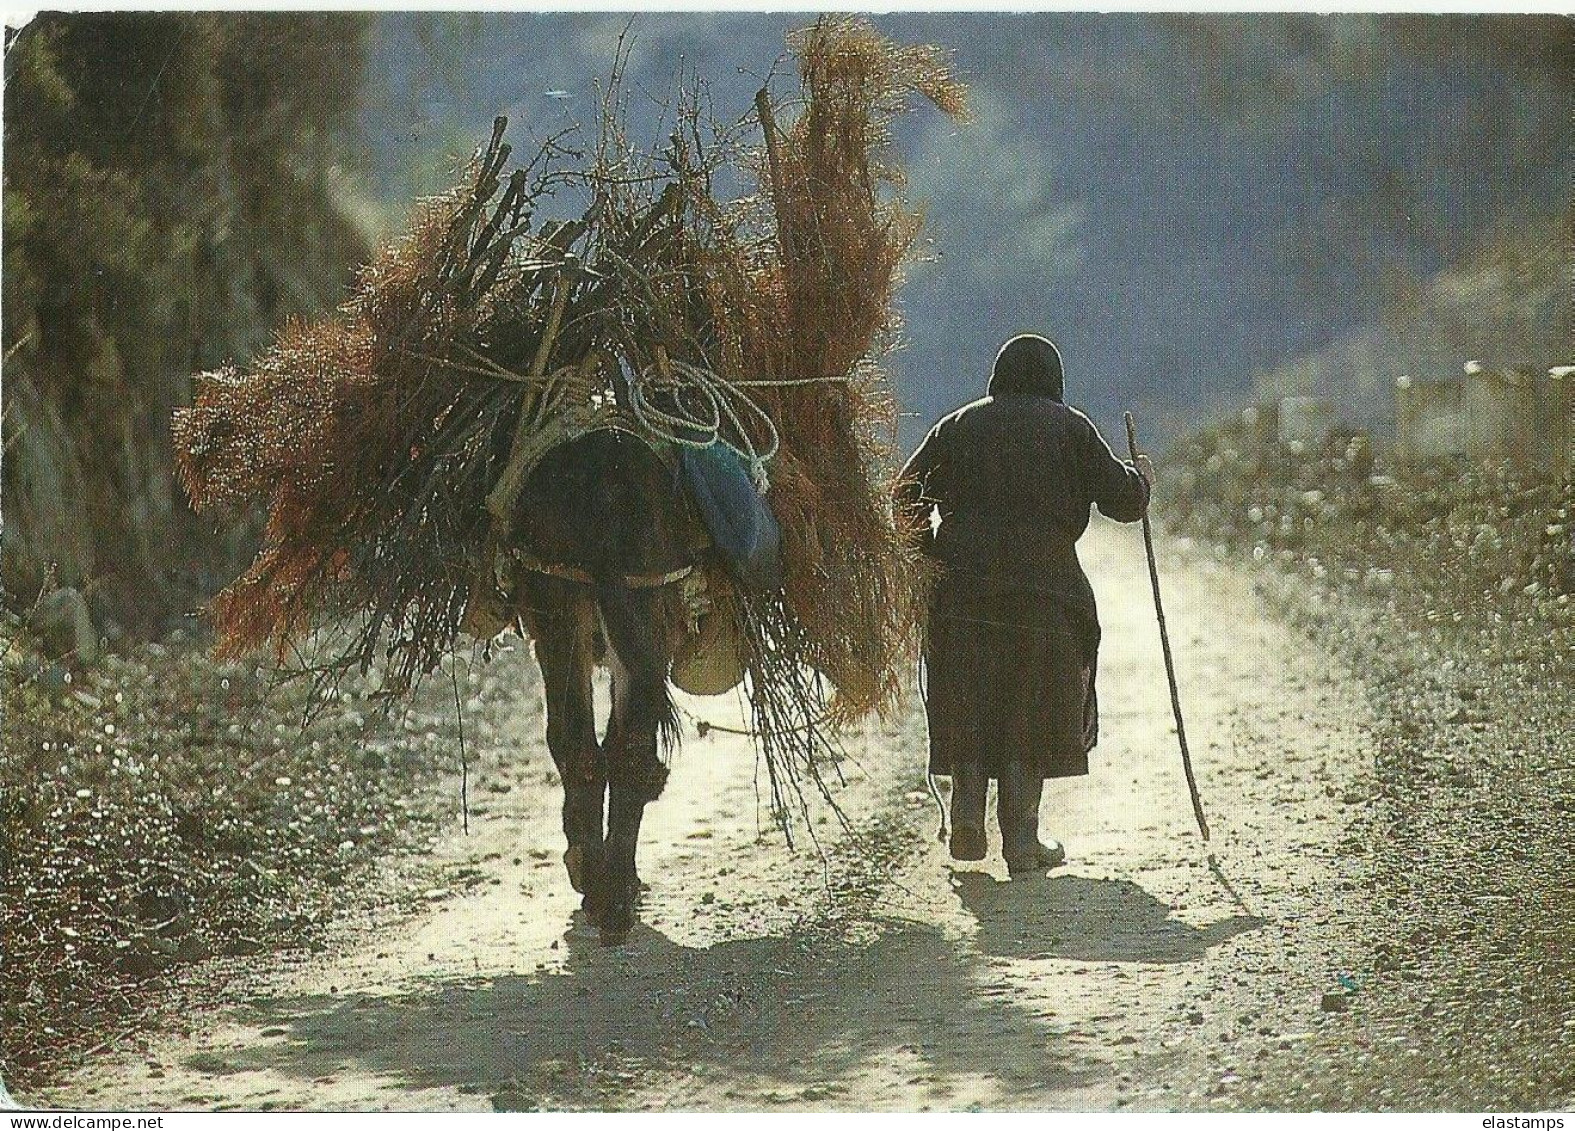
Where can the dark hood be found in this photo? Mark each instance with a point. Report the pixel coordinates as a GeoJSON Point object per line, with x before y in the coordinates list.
{"type": "Point", "coordinates": [1028, 364]}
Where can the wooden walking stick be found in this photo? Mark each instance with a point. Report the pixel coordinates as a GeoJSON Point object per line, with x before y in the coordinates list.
{"type": "Point", "coordinates": [1164, 640]}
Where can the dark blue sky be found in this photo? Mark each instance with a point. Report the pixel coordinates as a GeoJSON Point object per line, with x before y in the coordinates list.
{"type": "Point", "coordinates": [1181, 202]}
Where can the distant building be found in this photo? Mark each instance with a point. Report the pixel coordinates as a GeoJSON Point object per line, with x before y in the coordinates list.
{"type": "Point", "coordinates": [1561, 416]}
{"type": "Point", "coordinates": [1496, 413]}
{"type": "Point", "coordinates": [1260, 425]}
{"type": "Point", "coordinates": [1305, 420]}
{"type": "Point", "coordinates": [1430, 419]}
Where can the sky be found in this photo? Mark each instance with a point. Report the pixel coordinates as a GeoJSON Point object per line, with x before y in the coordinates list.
{"type": "Point", "coordinates": [1181, 202]}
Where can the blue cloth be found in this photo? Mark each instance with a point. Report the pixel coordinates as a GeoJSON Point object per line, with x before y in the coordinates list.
{"type": "Point", "coordinates": [734, 513]}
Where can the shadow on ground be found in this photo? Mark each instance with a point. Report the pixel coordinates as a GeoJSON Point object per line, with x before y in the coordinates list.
{"type": "Point", "coordinates": [802, 1012]}
{"type": "Point", "coordinates": [1090, 920]}
{"type": "Point", "coordinates": [795, 1017]}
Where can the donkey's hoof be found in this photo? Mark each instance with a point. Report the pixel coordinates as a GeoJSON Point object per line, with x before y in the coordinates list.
{"type": "Point", "coordinates": [968, 843]}
{"type": "Point", "coordinates": [574, 862]}
{"type": "Point", "coordinates": [595, 912]}
{"type": "Point", "coordinates": [614, 919]}
{"type": "Point", "coordinates": [615, 924]}
{"type": "Point", "coordinates": [613, 911]}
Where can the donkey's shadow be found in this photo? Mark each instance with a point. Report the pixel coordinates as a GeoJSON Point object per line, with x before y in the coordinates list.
{"type": "Point", "coordinates": [1090, 920]}
{"type": "Point", "coordinates": [797, 1011]}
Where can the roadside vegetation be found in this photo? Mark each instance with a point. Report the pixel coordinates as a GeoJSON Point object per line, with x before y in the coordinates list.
{"type": "Point", "coordinates": [159, 809]}
{"type": "Point", "coordinates": [176, 184]}
{"type": "Point", "coordinates": [1450, 588]}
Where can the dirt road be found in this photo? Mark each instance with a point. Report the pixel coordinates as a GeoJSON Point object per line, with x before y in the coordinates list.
{"type": "Point", "coordinates": [877, 976]}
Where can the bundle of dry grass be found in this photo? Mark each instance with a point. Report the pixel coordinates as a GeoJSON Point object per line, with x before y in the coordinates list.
{"type": "Point", "coordinates": [369, 436]}
{"type": "Point", "coordinates": [386, 441]}
{"type": "Point", "coordinates": [852, 578]}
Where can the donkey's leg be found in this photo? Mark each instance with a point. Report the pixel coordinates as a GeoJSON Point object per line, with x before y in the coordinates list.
{"type": "Point", "coordinates": [563, 625]}
{"type": "Point", "coordinates": [617, 723]}
{"type": "Point", "coordinates": [642, 717]}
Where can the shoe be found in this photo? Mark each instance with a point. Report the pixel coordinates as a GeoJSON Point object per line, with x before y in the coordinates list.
{"type": "Point", "coordinates": [1018, 810]}
{"type": "Point", "coordinates": [968, 843]}
{"type": "Point", "coordinates": [1041, 859]}
{"type": "Point", "coordinates": [968, 794]}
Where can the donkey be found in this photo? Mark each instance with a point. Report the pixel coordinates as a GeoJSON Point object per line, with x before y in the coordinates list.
{"type": "Point", "coordinates": [605, 530]}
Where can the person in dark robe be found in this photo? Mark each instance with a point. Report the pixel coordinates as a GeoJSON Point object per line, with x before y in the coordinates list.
{"type": "Point", "coordinates": [1013, 635]}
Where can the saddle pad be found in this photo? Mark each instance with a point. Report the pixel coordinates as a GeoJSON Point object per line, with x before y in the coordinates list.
{"type": "Point", "coordinates": [738, 519]}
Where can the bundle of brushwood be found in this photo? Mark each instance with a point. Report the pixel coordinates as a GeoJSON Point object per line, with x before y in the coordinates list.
{"type": "Point", "coordinates": [388, 441]}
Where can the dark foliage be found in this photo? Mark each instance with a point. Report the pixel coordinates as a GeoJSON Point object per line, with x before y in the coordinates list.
{"type": "Point", "coordinates": [169, 195]}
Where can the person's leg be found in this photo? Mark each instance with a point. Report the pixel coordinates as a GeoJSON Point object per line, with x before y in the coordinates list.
{"type": "Point", "coordinates": [1018, 811]}
{"type": "Point", "coordinates": [968, 790]}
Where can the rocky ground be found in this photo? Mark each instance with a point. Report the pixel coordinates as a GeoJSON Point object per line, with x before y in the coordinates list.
{"type": "Point", "coordinates": [1449, 590]}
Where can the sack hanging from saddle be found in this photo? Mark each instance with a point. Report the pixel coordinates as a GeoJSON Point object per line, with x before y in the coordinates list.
{"type": "Point", "coordinates": [734, 513]}
{"type": "Point", "coordinates": [713, 657]}
{"type": "Point", "coordinates": [748, 543]}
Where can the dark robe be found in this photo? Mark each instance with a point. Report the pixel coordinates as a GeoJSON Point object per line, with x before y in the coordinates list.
{"type": "Point", "coordinates": [1013, 638]}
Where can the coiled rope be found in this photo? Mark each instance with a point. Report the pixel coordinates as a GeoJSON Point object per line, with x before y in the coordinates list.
{"type": "Point", "coordinates": [706, 408]}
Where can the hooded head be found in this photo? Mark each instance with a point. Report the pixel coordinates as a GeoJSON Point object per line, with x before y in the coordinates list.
{"type": "Point", "coordinates": [1028, 363]}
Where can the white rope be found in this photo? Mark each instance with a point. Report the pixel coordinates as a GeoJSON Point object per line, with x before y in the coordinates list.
{"type": "Point", "coordinates": [790, 382]}
{"type": "Point", "coordinates": [723, 406]}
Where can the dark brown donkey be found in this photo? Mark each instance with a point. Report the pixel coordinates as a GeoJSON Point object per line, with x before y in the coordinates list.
{"type": "Point", "coordinates": [605, 532]}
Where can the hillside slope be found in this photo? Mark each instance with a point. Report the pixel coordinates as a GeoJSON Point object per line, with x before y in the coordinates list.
{"type": "Point", "coordinates": [170, 195]}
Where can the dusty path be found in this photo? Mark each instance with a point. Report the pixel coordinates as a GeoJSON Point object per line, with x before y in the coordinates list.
{"type": "Point", "coordinates": [882, 977]}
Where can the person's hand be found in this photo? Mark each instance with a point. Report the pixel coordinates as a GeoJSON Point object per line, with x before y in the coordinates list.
{"type": "Point", "coordinates": [1145, 468]}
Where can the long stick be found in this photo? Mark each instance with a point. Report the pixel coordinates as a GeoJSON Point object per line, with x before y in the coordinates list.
{"type": "Point", "coordinates": [482, 618]}
{"type": "Point", "coordinates": [504, 493]}
{"type": "Point", "coordinates": [768, 126]}
{"type": "Point", "coordinates": [1164, 640]}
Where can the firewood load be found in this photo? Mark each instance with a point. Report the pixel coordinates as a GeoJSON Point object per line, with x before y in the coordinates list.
{"type": "Point", "coordinates": [387, 441]}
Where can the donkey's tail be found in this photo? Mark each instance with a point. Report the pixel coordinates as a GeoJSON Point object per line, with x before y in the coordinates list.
{"type": "Point", "coordinates": [635, 620]}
